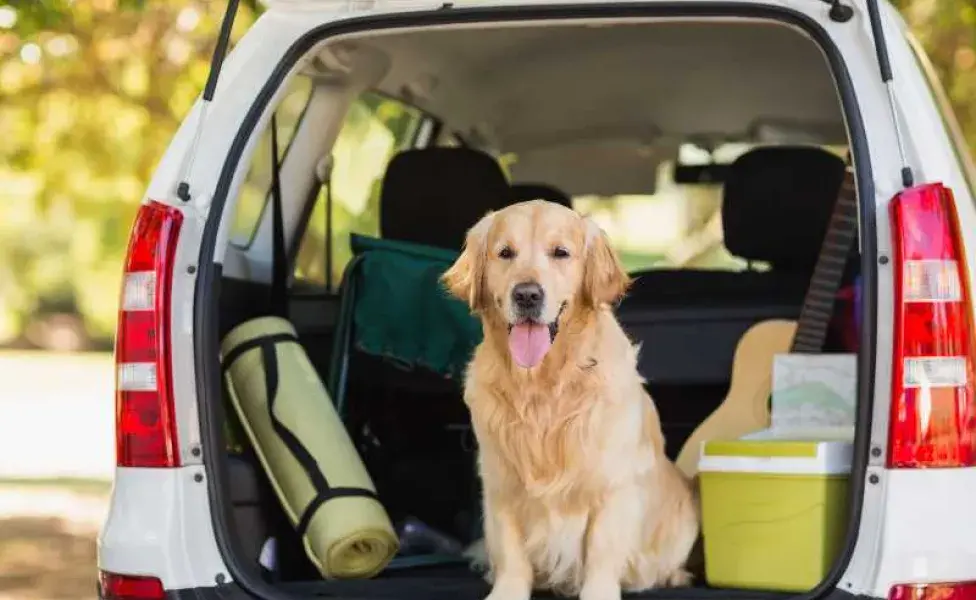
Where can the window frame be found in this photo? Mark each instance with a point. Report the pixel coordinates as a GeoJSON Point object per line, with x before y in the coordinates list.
{"type": "Point", "coordinates": [299, 123]}
{"type": "Point", "coordinates": [428, 120]}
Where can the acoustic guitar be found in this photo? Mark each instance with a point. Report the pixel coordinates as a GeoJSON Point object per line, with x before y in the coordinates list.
{"type": "Point", "coordinates": [746, 406]}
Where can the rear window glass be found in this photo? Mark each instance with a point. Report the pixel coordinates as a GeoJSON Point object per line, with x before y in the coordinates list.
{"type": "Point", "coordinates": [256, 188]}
{"type": "Point", "coordinates": [677, 227]}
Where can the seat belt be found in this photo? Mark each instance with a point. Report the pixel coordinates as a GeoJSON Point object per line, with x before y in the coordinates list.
{"type": "Point", "coordinates": [821, 296]}
{"type": "Point", "coordinates": [279, 256]}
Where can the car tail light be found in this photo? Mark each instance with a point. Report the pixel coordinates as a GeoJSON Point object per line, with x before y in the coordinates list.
{"type": "Point", "coordinates": [934, 591]}
{"type": "Point", "coordinates": [129, 587]}
{"type": "Point", "coordinates": [145, 425]}
{"type": "Point", "coordinates": [933, 417]}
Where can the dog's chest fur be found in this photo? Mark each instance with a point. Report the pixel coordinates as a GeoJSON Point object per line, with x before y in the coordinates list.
{"type": "Point", "coordinates": [542, 444]}
{"type": "Point", "coordinates": [552, 462]}
{"type": "Point", "coordinates": [547, 439]}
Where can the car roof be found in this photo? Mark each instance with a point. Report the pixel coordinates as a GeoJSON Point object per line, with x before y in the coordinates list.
{"type": "Point", "coordinates": [405, 5]}
{"type": "Point", "coordinates": [568, 101]}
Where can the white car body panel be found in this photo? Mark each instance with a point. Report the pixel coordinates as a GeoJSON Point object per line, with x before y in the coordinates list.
{"type": "Point", "coordinates": [916, 526]}
{"type": "Point", "coordinates": [928, 528]}
{"type": "Point", "coordinates": [159, 525]}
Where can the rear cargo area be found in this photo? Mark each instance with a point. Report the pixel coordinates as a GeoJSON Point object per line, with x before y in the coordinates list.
{"type": "Point", "coordinates": [714, 155]}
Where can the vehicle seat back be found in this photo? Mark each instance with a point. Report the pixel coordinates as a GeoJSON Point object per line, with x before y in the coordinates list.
{"type": "Point", "coordinates": [776, 208]}
{"type": "Point", "coordinates": [432, 196]}
{"type": "Point", "coordinates": [777, 204]}
{"type": "Point", "coordinates": [540, 191]}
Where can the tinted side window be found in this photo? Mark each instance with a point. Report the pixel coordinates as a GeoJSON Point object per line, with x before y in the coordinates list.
{"type": "Point", "coordinates": [374, 130]}
{"type": "Point", "coordinates": [255, 190]}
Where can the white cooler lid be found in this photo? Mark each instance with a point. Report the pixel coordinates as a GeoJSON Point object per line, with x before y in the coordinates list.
{"type": "Point", "coordinates": [780, 452]}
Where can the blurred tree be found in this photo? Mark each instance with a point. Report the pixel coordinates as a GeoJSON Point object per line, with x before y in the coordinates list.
{"type": "Point", "coordinates": [947, 31]}
{"type": "Point", "coordinates": [90, 93]}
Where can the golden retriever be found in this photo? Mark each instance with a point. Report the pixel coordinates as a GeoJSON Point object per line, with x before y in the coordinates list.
{"type": "Point", "coordinates": [579, 496]}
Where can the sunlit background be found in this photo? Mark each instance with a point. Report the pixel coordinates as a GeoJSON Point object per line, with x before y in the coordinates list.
{"type": "Point", "coordinates": [90, 93]}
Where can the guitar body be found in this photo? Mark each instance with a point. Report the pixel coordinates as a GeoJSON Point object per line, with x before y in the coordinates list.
{"type": "Point", "coordinates": [746, 406]}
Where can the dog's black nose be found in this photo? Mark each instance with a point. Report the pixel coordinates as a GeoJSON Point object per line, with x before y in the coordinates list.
{"type": "Point", "coordinates": [528, 297]}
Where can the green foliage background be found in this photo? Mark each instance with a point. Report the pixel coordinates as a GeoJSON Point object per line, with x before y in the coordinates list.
{"type": "Point", "coordinates": [90, 93]}
{"type": "Point", "coordinates": [92, 90]}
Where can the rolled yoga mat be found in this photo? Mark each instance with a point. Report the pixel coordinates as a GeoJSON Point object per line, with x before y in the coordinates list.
{"type": "Point", "coordinates": [305, 450]}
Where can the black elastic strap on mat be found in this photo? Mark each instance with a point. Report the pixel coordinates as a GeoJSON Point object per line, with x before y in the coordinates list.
{"type": "Point", "coordinates": [818, 305]}
{"type": "Point", "coordinates": [257, 342]}
{"type": "Point", "coordinates": [323, 491]}
{"type": "Point", "coordinates": [279, 256]}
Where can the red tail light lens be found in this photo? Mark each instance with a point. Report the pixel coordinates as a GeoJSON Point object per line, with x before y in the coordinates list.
{"type": "Point", "coordinates": [128, 587]}
{"type": "Point", "coordinates": [933, 416]}
{"type": "Point", "coordinates": [934, 591]}
{"type": "Point", "coordinates": [145, 426]}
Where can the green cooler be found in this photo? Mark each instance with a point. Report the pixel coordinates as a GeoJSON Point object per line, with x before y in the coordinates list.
{"type": "Point", "coordinates": [774, 511]}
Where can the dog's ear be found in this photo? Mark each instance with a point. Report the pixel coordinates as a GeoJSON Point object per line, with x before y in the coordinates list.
{"type": "Point", "coordinates": [604, 279]}
{"type": "Point", "coordinates": [465, 278]}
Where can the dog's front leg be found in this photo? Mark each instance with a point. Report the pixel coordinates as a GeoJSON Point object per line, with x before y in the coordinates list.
{"type": "Point", "coordinates": [511, 569]}
{"type": "Point", "coordinates": [612, 538]}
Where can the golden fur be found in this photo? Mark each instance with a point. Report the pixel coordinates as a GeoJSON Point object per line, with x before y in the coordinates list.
{"type": "Point", "coordinates": [578, 494]}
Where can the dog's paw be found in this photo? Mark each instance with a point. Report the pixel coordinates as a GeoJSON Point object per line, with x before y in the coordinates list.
{"type": "Point", "coordinates": [679, 578]}
{"type": "Point", "coordinates": [477, 556]}
{"type": "Point", "coordinates": [510, 591]}
{"type": "Point", "coordinates": [604, 590]}
{"type": "Point", "coordinates": [504, 595]}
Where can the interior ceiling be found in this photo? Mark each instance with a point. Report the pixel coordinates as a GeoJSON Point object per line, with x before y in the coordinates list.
{"type": "Point", "coordinates": [593, 108]}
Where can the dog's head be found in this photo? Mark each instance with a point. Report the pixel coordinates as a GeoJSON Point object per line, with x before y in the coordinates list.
{"type": "Point", "coordinates": [528, 265]}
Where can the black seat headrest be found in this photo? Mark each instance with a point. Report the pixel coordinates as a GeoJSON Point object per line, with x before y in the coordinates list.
{"type": "Point", "coordinates": [434, 195]}
{"type": "Point", "coordinates": [777, 205]}
{"type": "Point", "coordinates": [540, 191]}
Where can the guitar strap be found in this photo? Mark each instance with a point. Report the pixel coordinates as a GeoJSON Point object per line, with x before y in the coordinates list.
{"type": "Point", "coordinates": [818, 305]}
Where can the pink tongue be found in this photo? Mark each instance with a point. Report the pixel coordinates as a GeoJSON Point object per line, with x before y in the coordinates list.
{"type": "Point", "coordinates": [528, 343]}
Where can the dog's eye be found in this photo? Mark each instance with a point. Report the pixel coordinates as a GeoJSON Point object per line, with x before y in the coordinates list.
{"type": "Point", "coordinates": [506, 253]}
{"type": "Point", "coordinates": [560, 252]}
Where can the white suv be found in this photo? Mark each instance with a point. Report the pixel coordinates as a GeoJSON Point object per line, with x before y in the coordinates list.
{"type": "Point", "coordinates": [385, 110]}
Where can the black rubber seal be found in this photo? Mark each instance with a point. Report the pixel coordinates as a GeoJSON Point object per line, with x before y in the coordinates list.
{"type": "Point", "coordinates": [220, 50]}
{"type": "Point", "coordinates": [206, 297]}
{"type": "Point", "coordinates": [257, 342]}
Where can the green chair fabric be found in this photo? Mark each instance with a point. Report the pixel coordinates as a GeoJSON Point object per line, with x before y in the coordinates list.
{"type": "Point", "coordinates": [404, 314]}
{"type": "Point", "coordinates": [394, 306]}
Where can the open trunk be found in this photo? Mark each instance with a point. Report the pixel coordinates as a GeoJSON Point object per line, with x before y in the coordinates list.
{"type": "Point", "coordinates": [632, 118]}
